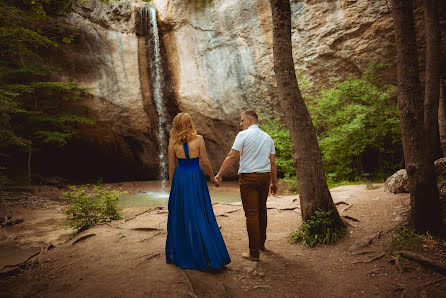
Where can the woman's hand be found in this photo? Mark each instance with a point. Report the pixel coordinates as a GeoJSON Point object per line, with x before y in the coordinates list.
{"type": "Point", "coordinates": [215, 181]}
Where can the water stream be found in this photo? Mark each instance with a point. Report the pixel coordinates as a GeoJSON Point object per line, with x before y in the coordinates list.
{"type": "Point", "coordinates": [150, 29]}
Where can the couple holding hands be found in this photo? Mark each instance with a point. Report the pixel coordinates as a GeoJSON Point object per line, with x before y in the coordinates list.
{"type": "Point", "coordinates": [194, 240]}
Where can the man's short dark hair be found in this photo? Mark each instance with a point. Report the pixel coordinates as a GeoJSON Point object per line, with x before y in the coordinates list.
{"type": "Point", "coordinates": [251, 114]}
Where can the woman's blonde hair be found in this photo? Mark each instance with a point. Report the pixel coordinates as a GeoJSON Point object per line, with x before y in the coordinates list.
{"type": "Point", "coordinates": [182, 128]}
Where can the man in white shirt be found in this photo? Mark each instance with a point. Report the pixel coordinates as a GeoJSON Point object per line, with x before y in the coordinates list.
{"type": "Point", "coordinates": [257, 172]}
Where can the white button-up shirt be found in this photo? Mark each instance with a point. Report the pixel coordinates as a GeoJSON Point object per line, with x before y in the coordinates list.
{"type": "Point", "coordinates": [255, 147]}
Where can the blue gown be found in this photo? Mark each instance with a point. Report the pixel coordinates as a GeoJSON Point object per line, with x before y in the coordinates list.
{"type": "Point", "coordinates": [194, 240]}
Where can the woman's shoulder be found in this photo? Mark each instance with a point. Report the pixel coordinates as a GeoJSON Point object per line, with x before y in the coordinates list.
{"type": "Point", "coordinates": [198, 138]}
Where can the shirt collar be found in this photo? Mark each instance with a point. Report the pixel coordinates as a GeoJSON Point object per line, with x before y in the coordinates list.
{"type": "Point", "coordinates": [253, 126]}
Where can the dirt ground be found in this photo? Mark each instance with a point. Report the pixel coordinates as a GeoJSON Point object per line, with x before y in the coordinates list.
{"type": "Point", "coordinates": [126, 257]}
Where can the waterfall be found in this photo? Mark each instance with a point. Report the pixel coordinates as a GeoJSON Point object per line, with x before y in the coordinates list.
{"type": "Point", "coordinates": [154, 64]}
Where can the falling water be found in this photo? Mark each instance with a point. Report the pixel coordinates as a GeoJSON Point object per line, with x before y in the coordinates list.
{"type": "Point", "coordinates": [154, 53]}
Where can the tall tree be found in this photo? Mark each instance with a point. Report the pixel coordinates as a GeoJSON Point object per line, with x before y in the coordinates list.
{"type": "Point", "coordinates": [424, 196]}
{"type": "Point", "coordinates": [35, 110]}
{"type": "Point", "coordinates": [433, 75]}
{"type": "Point", "coordinates": [313, 189]}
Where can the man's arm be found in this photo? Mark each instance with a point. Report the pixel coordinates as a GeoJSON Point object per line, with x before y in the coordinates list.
{"type": "Point", "coordinates": [274, 183]}
{"type": "Point", "coordinates": [227, 163]}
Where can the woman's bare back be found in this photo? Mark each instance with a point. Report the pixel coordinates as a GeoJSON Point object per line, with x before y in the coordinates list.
{"type": "Point", "coordinates": [194, 148]}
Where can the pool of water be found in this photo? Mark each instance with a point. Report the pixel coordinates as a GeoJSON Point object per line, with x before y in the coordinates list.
{"type": "Point", "coordinates": [160, 198]}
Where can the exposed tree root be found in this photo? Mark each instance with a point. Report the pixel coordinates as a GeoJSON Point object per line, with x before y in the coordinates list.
{"type": "Point", "coordinates": [346, 208]}
{"type": "Point", "coordinates": [431, 283]}
{"type": "Point", "coordinates": [122, 236]}
{"type": "Point", "coordinates": [145, 229]}
{"type": "Point", "coordinates": [150, 256]}
{"type": "Point", "coordinates": [82, 238]}
{"type": "Point", "coordinates": [21, 263]}
{"type": "Point", "coordinates": [349, 205]}
{"type": "Point", "coordinates": [422, 260]}
{"type": "Point", "coordinates": [154, 235]}
{"type": "Point", "coordinates": [350, 218]}
{"type": "Point", "coordinates": [134, 216]}
{"type": "Point", "coordinates": [191, 285]}
{"type": "Point", "coordinates": [375, 258]}
{"type": "Point", "coordinates": [341, 202]}
{"type": "Point", "coordinates": [398, 265]}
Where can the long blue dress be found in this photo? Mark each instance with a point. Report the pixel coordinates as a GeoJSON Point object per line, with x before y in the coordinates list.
{"type": "Point", "coordinates": [194, 240]}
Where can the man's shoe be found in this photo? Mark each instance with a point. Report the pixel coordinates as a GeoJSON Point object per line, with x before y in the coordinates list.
{"type": "Point", "coordinates": [262, 247]}
{"type": "Point", "coordinates": [247, 256]}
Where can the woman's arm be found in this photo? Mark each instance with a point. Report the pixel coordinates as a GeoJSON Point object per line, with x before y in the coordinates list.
{"type": "Point", "coordinates": [205, 160]}
{"type": "Point", "coordinates": [171, 156]}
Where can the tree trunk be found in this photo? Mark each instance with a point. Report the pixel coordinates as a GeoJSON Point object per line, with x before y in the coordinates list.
{"type": "Point", "coordinates": [313, 189]}
{"type": "Point", "coordinates": [433, 68]}
{"type": "Point", "coordinates": [424, 196]}
{"type": "Point", "coordinates": [30, 151]}
{"type": "Point", "coordinates": [442, 117]}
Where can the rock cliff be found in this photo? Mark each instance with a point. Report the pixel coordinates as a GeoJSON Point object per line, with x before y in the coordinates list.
{"type": "Point", "coordinates": [218, 60]}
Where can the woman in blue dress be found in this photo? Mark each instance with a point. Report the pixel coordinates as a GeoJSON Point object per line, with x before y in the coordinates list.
{"type": "Point", "coordinates": [194, 240]}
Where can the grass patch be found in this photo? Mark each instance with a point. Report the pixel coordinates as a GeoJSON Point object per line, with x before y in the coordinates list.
{"type": "Point", "coordinates": [405, 238]}
{"type": "Point", "coordinates": [318, 230]}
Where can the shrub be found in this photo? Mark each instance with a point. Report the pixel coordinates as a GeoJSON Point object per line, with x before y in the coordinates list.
{"type": "Point", "coordinates": [91, 205]}
{"type": "Point", "coordinates": [284, 156]}
{"type": "Point", "coordinates": [318, 230]}
{"type": "Point", "coordinates": [358, 128]}
{"type": "Point", "coordinates": [404, 237]}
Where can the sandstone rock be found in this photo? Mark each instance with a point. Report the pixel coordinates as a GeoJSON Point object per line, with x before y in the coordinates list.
{"type": "Point", "coordinates": [397, 183]}
{"type": "Point", "coordinates": [440, 167]}
{"type": "Point", "coordinates": [220, 62]}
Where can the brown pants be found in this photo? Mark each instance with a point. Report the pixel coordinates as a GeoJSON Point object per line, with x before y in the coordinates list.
{"type": "Point", "coordinates": [254, 190]}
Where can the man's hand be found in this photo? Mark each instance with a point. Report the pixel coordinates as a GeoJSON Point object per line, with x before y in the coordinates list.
{"type": "Point", "coordinates": [274, 188]}
{"type": "Point", "coordinates": [215, 181]}
{"type": "Point", "coordinates": [219, 179]}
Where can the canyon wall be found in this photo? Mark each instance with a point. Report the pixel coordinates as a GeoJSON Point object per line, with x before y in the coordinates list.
{"type": "Point", "coordinates": [219, 62]}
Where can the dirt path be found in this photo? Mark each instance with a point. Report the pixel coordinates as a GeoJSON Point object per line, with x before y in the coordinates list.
{"type": "Point", "coordinates": [126, 258]}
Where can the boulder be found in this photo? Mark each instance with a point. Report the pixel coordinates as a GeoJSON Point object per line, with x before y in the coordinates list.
{"type": "Point", "coordinates": [397, 183]}
{"type": "Point", "coordinates": [440, 167]}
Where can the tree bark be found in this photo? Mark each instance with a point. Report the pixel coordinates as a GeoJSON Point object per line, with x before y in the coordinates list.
{"type": "Point", "coordinates": [442, 117]}
{"type": "Point", "coordinates": [30, 151]}
{"type": "Point", "coordinates": [424, 196]}
{"type": "Point", "coordinates": [433, 74]}
{"type": "Point", "coordinates": [313, 190]}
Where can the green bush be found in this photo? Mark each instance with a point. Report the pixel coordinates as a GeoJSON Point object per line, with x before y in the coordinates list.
{"type": "Point", "coordinates": [284, 156]}
{"type": "Point", "coordinates": [318, 230]}
{"type": "Point", "coordinates": [404, 237]}
{"type": "Point", "coordinates": [358, 127]}
{"type": "Point", "coordinates": [91, 205]}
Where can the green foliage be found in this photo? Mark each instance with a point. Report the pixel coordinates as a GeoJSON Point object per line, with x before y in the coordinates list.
{"type": "Point", "coordinates": [318, 230]}
{"type": "Point", "coordinates": [203, 3]}
{"type": "Point", "coordinates": [358, 127]}
{"type": "Point", "coordinates": [404, 238]}
{"type": "Point", "coordinates": [91, 205]}
{"type": "Point", "coordinates": [284, 157]}
{"type": "Point", "coordinates": [34, 110]}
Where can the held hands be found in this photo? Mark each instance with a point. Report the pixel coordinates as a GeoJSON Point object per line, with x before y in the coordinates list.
{"type": "Point", "coordinates": [215, 181]}
{"type": "Point", "coordinates": [218, 180]}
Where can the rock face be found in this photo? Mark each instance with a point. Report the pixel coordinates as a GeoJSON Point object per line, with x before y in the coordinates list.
{"type": "Point", "coordinates": [219, 62]}
{"type": "Point", "coordinates": [397, 183]}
